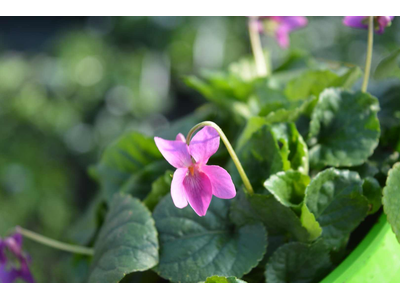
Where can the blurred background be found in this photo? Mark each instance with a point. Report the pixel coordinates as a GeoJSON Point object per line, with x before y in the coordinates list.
{"type": "Point", "coordinates": [71, 86]}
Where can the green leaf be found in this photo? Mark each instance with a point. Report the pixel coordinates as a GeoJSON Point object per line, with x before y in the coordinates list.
{"type": "Point", "coordinates": [222, 279]}
{"type": "Point", "coordinates": [127, 242]}
{"type": "Point", "coordinates": [259, 153]}
{"type": "Point", "coordinates": [288, 187]}
{"type": "Point", "coordinates": [292, 141]}
{"type": "Point", "coordinates": [130, 165]}
{"type": "Point", "coordinates": [335, 198]}
{"type": "Point", "coordinates": [391, 199]}
{"type": "Point", "coordinates": [194, 248]}
{"type": "Point", "coordinates": [313, 82]}
{"type": "Point", "coordinates": [246, 68]}
{"type": "Point", "coordinates": [373, 192]}
{"type": "Point", "coordinates": [310, 83]}
{"type": "Point", "coordinates": [298, 262]}
{"type": "Point", "coordinates": [389, 66]}
{"type": "Point", "coordinates": [344, 129]}
{"type": "Point", "coordinates": [159, 189]}
{"type": "Point", "coordinates": [309, 222]}
{"type": "Point", "coordinates": [278, 219]}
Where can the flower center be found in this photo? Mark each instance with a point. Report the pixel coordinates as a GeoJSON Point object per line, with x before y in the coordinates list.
{"type": "Point", "coordinates": [191, 170]}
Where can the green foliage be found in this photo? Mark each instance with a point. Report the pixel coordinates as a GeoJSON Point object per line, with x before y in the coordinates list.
{"type": "Point", "coordinates": [221, 279]}
{"type": "Point", "coordinates": [344, 129]}
{"type": "Point", "coordinates": [159, 189]}
{"type": "Point", "coordinates": [265, 149]}
{"type": "Point", "coordinates": [336, 200]}
{"type": "Point", "coordinates": [390, 199]}
{"type": "Point", "coordinates": [193, 248]}
{"type": "Point", "coordinates": [389, 66]}
{"type": "Point", "coordinates": [288, 187]}
{"type": "Point", "coordinates": [298, 262]}
{"type": "Point", "coordinates": [130, 165]}
{"type": "Point", "coordinates": [279, 220]}
{"type": "Point", "coordinates": [126, 243]}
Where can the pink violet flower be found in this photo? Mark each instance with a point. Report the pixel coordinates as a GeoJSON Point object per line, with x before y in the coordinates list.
{"type": "Point", "coordinates": [380, 23]}
{"type": "Point", "coordinates": [9, 271]}
{"type": "Point", "coordinates": [281, 27]}
{"type": "Point", "coordinates": [194, 181]}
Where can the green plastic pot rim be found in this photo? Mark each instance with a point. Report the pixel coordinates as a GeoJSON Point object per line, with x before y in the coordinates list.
{"type": "Point", "coordinates": [375, 259]}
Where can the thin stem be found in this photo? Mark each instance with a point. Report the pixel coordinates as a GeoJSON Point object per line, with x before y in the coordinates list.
{"type": "Point", "coordinates": [256, 47]}
{"type": "Point", "coordinates": [369, 53]}
{"type": "Point", "coordinates": [228, 146]}
{"type": "Point", "coordinates": [53, 243]}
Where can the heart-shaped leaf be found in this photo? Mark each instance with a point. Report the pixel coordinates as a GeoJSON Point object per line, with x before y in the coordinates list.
{"type": "Point", "coordinates": [335, 198]}
{"type": "Point", "coordinates": [391, 199]}
{"type": "Point", "coordinates": [298, 262]}
{"type": "Point", "coordinates": [127, 242]}
{"type": "Point", "coordinates": [193, 248]}
{"type": "Point", "coordinates": [344, 129]}
{"type": "Point", "coordinates": [279, 220]}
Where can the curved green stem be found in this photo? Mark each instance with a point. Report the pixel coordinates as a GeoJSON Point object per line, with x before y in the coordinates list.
{"type": "Point", "coordinates": [256, 47]}
{"type": "Point", "coordinates": [369, 53]}
{"type": "Point", "coordinates": [228, 146]}
{"type": "Point", "coordinates": [53, 243]}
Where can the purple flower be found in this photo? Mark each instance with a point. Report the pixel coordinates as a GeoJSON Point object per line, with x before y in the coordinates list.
{"type": "Point", "coordinates": [195, 182]}
{"type": "Point", "coordinates": [280, 27]}
{"type": "Point", "coordinates": [11, 247]}
{"type": "Point", "coordinates": [380, 23]}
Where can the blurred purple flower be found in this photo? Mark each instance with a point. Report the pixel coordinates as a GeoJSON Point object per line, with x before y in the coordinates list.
{"type": "Point", "coordinates": [380, 23]}
{"type": "Point", "coordinates": [11, 247]}
{"type": "Point", "coordinates": [195, 182]}
{"type": "Point", "coordinates": [279, 27]}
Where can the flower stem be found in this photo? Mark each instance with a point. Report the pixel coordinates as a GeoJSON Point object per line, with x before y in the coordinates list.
{"type": "Point", "coordinates": [228, 146]}
{"type": "Point", "coordinates": [53, 243]}
{"type": "Point", "coordinates": [369, 53]}
{"type": "Point", "coordinates": [256, 47]}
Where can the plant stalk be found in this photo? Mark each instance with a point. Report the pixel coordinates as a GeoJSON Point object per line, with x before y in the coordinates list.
{"type": "Point", "coordinates": [53, 243]}
{"type": "Point", "coordinates": [369, 53]}
{"type": "Point", "coordinates": [256, 47]}
{"type": "Point", "coordinates": [228, 146]}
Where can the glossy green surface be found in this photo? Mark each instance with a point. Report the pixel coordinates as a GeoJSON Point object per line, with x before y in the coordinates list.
{"type": "Point", "coordinates": [376, 258]}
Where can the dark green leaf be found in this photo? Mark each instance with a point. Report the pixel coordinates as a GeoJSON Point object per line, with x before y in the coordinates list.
{"type": "Point", "coordinates": [159, 189]}
{"type": "Point", "coordinates": [127, 242]}
{"type": "Point", "coordinates": [373, 192]}
{"type": "Point", "coordinates": [277, 218]}
{"type": "Point", "coordinates": [389, 66]}
{"type": "Point", "coordinates": [130, 164]}
{"type": "Point", "coordinates": [259, 153]}
{"type": "Point", "coordinates": [335, 198]}
{"type": "Point", "coordinates": [344, 129]}
{"type": "Point", "coordinates": [221, 279]}
{"type": "Point", "coordinates": [391, 199]}
{"type": "Point", "coordinates": [194, 248]}
{"type": "Point", "coordinates": [298, 262]}
{"type": "Point", "coordinates": [288, 187]}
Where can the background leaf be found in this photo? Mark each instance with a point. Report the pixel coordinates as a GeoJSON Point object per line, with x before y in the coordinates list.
{"type": "Point", "coordinates": [298, 262]}
{"type": "Point", "coordinates": [335, 198]}
{"type": "Point", "coordinates": [127, 242]}
{"type": "Point", "coordinates": [344, 129]}
{"type": "Point", "coordinates": [391, 199]}
{"type": "Point", "coordinates": [389, 66]}
{"type": "Point", "coordinates": [373, 192]}
{"type": "Point", "coordinates": [194, 248]}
